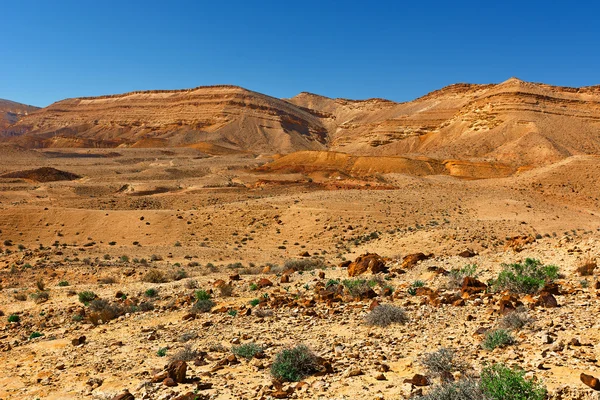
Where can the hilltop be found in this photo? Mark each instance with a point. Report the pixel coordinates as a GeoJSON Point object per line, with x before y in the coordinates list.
{"type": "Point", "coordinates": [515, 123]}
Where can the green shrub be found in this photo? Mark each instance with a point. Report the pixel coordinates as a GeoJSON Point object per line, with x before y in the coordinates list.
{"type": "Point", "coordinates": [14, 318]}
{"type": "Point", "coordinates": [253, 286]}
{"type": "Point", "coordinates": [247, 350]}
{"type": "Point", "coordinates": [254, 302]}
{"type": "Point", "coordinates": [497, 338]}
{"type": "Point", "coordinates": [162, 351]}
{"type": "Point", "coordinates": [294, 364]}
{"type": "Point", "coordinates": [418, 284]}
{"type": "Point", "coordinates": [232, 313]}
{"type": "Point", "coordinates": [204, 303]}
{"type": "Point", "coordinates": [500, 382]}
{"type": "Point", "coordinates": [386, 314]}
{"type": "Point", "coordinates": [63, 283]}
{"type": "Point", "coordinates": [151, 292]}
{"type": "Point", "coordinates": [86, 296]}
{"type": "Point", "coordinates": [527, 277]}
{"type": "Point", "coordinates": [35, 335]}
{"type": "Point", "coordinates": [202, 295]}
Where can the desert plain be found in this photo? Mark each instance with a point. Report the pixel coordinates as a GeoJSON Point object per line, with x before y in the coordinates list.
{"type": "Point", "coordinates": [112, 235]}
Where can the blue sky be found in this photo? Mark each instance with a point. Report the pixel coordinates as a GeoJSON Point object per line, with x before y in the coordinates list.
{"type": "Point", "coordinates": [51, 50]}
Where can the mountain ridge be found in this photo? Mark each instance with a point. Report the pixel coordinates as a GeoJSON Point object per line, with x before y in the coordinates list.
{"type": "Point", "coordinates": [513, 122]}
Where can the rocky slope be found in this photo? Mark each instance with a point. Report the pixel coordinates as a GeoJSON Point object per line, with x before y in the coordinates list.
{"type": "Point", "coordinates": [514, 122]}
{"type": "Point", "coordinates": [224, 116]}
{"type": "Point", "coordinates": [11, 112]}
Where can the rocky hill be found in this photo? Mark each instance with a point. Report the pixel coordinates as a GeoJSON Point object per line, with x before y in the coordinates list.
{"type": "Point", "coordinates": [11, 112]}
{"type": "Point", "coordinates": [515, 123]}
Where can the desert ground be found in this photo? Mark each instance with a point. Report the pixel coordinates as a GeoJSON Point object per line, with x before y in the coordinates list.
{"type": "Point", "coordinates": [145, 229]}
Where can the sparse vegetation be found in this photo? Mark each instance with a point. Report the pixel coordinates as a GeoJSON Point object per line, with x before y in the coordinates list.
{"type": "Point", "coordinates": [587, 266]}
{"type": "Point", "coordinates": [457, 276]}
{"type": "Point", "coordinates": [162, 351]}
{"type": "Point", "coordinates": [151, 292]}
{"type": "Point", "coordinates": [14, 318]}
{"type": "Point", "coordinates": [465, 389]}
{"type": "Point", "coordinates": [86, 297]}
{"type": "Point", "coordinates": [515, 320]}
{"type": "Point", "coordinates": [40, 297]}
{"type": "Point", "coordinates": [63, 283]}
{"type": "Point", "coordinates": [247, 351]}
{"type": "Point", "coordinates": [442, 363]}
{"type": "Point", "coordinates": [187, 353]}
{"type": "Point", "coordinates": [307, 264]}
{"type": "Point", "coordinates": [385, 315]}
{"type": "Point", "coordinates": [499, 382]}
{"type": "Point", "coordinates": [204, 302]}
{"type": "Point", "coordinates": [497, 338]}
{"type": "Point", "coordinates": [294, 364]}
{"type": "Point", "coordinates": [154, 276]}
{"type": "Point", "coordinates": [34, 335]}
{"type": "Point", "coordinates": [527, 277]}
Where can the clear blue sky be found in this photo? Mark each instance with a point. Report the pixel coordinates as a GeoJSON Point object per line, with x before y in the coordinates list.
{"type": "Point", "coordinates": [50, 50]}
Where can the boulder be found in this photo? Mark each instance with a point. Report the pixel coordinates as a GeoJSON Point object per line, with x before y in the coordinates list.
{"type": "Point", "coordinates": [471, 286]}
{"type": "Point", "coordinates": [591, 381]}
{"type": "Point", "coordinates": [411, 260]}
{"type": "Point", "coordinates": [176, 370]}
{"type": "Point", "coordinates": [369, 262]}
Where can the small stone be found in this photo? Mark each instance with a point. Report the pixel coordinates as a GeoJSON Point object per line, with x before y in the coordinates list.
{"type": "Point", "coordinates": [381, 377]}
{"type": "Point", "coordinates": [124, 396]}
{"type": "Point", "coordinates": [170, 382]}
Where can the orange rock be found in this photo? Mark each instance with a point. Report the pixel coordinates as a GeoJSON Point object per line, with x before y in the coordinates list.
{"type": "Point", "coordinates": [591, 381]}
{"type": "Point", "coordinates": [264, 282]}
{"type": "Point", "coordinates": [176, 370]}
{"type": "Point", "coordinates": [369, 262]}
{"type": "Point", "coordinates": [471, 286]}
{"type": "Point", "coordinates": [411, 260]}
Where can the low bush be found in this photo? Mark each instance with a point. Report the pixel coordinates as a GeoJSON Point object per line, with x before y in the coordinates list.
{"type": "Point", "coordinates": [40, 297]}
{"type": "Point", "coordinates": [442, 363]}
{"type": "Point", "coordinates": [14, 318]}
{"type": "Point", "coordinates": [35, 335]}
{"type": "Point", "coordinates": [499, 382]}
{"type": "Point", "coordinates": [247, 351]}
{"type": "Point", "coordinates": [587, 266]}
{"type": "Point", "coordinates": [187, 353]}
{"type": "Point", "coordinates": [154, 276]}
{"type": "Point", "coordinates": [466, 389]}
{"type": "Point", "coordinates": [204, 302]}
{"type": "Point", "coordinates": [515, 320]}
{"type": "Point", "coordinates": [385, 315]}
{"type": "Point", "coordinates": [151, 292]}
{"type": "Point", "coordinates": [527, 277]}
{"type": "Point", "coordinates": [497, 338]}
{"type": "Point", "coordinates": [63, 283]}
{"type": "Point", "coordinates": [294, 364]}
{"type": "Point", "coordinates": [86, 296]}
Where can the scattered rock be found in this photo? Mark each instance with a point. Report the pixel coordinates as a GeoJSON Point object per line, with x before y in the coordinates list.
{"type": "Point", "coordinates": [591, 381]}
